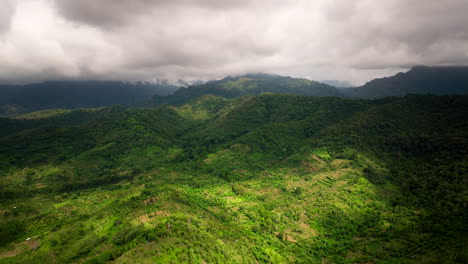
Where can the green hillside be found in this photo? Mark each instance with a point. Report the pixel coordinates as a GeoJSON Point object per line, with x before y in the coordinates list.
{"type": "Point", "coordinates": [251, 84]}
{"type": "Point", "coordinates": [54, 118]}
{"type": "Point", "coordinates": [254, 179]}
{"type": "Point", "coordinates": [444, 80]}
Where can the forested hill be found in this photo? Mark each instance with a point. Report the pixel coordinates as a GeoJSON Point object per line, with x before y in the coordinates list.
{"type": "Point", "coordinates": [419, 80]}
{"type": "Point", "coordinates": [19, 99]}
{"type": "Point", "coordinates": [271, 178]}
{"type": "Point", "coordinates": [251, 84]}
{"type": "Point", "coordinates": [16, 100]}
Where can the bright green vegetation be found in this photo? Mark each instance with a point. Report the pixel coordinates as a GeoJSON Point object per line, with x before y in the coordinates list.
{"type": "Point", "coordinates": [51, 112]}
{"type": "Point", "coordinates": [263, 179]}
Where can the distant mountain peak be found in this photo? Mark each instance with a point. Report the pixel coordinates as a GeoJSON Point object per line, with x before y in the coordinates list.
{"type": "Point", "coordinates": [249, 84]}
{"type": "Point", "coordinates": [436, 80]}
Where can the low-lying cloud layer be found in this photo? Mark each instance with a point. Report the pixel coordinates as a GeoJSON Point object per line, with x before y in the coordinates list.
{"type": "Point", "coordinates": [205, 39]}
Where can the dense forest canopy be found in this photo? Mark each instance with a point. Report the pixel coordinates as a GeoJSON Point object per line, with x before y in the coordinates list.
{"type": "Point", "coordinates": [269, 178]}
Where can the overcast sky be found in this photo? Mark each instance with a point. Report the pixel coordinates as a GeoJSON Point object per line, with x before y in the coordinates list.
{"type": "Point", "coordinates": [206, 39]}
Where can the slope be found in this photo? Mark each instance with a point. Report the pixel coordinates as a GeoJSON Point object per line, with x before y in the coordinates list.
{"type": "Point", "coordinates": [419, 80]}
{"type": "Point", "coordinates": [263, 179]}
{"type": "Point", "coordinates": [53, 118]}
{"type": "Point", "coordinates": [251, 84]}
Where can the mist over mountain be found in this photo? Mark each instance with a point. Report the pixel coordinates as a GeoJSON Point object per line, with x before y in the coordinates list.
{"type": "Point", "coordinates": [338, 83]}
{"type": "Point", "coordinates": [18, 99]}
{"type": "Point", "coordinates": [419, 80]}
{"type": "Point", "coordinates": [250, 84]}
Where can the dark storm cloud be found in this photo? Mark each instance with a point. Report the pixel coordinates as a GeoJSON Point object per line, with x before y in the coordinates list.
{"type": "Point", "coordinates": [186, 39]}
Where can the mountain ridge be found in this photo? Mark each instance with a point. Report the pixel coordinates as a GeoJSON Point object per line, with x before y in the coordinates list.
{"type": "Point", "coordinates": [16, 100]}
{"type": "Point", "coordinates": [437, 80]}
{"type": "Point", "coordinates": [249, 84]}
{"type": "Point", "coordinates": [19, 99]}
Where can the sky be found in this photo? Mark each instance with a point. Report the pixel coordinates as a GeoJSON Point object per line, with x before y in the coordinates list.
{"type": "Point", "coordinates": [149, 40]}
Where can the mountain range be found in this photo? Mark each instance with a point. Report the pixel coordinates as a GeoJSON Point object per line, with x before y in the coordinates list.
{"type": "Point", "coordinates": [16, 100]}
{"type": "Point", "coordinates": [419, 80]}
{"type": "Point", "coordinates": [20, 99]}
{"type": "Point", "coordinates": [251, 84]}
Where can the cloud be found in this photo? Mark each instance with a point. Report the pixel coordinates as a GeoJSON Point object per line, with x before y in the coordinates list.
{"type": "Point", "coordinates": [184, 39]}
{"type": "Point", "coordinates": [115, 13]}
{"type": "Point", "coordinates": [6, 13]}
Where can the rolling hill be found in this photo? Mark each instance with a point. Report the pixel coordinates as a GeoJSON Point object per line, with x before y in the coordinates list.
{"type": "Point", "coordinates": [269, 178]}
